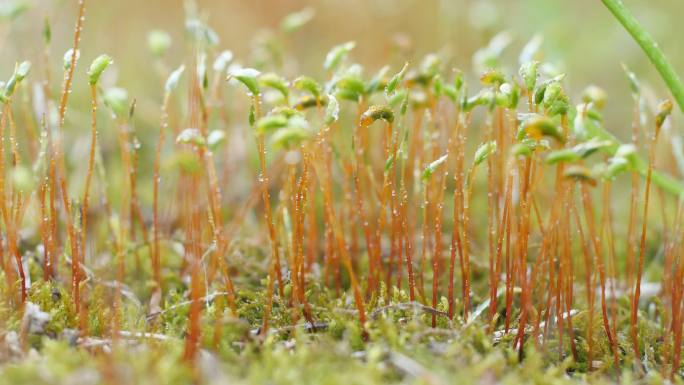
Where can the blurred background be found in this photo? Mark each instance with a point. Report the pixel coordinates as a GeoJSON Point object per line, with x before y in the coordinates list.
{"type": "Point", "coordinates": [580, 36]}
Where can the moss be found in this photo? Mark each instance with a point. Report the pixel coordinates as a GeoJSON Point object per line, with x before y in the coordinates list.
{"type": "Point", "coordinates": [57, 302]}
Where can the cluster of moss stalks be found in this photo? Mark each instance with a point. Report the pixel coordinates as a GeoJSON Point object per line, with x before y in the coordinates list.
{"type": "Point", "coordinates": [415, 225]}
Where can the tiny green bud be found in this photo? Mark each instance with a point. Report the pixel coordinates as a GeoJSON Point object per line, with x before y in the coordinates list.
{"type": "Point", "coordinates": [432, 167]}
{"type": "Point", "coordinates": [296, 20]}
{"type": "Point", "coordinates": [591, 146]}
{"type": "Point", "coordinates": [458, 80]}
{"type": "Point", "coordinates": [616, 166]}
{"type": "Point", "coordinates": [47, 31]}
{"type": "Point", "coordinates": [634, 85]}
{"type": "Point", "coordinates": [530, 50]}
{"type": "Point", "coordinates": [274, 81]}
{"type": "Point", "coordinates": [309, 101]}
{"type": "Point", "coordinates": [492, 78]}
{"type": "Point", "coordinates": [379, 81]}
{"type": "Point", "coordinates": [191, 136]}
{"type": "Point", "coordinates": [23, 70]}
{"type": "Point", "coordinates": [20, 73]}
{"type": "Point", "coordinates": [222, 60]}
{"type": "Point", "coordinates": [270, 123]}
{"type": "Point", "coordinates": [158, 42]}
{"type": "Point", "coordinates": [485, 97]}
{"type": "Point", "coordinates": [116, 99]}
{"type": "Point", "coordinates": [595, 95]}
{"type": "Point", "coordinates": [580, 173]}
{"type": "Point", "coordinates": [201, 32]}
{"type": "Point", "coordinates": [484, 151]}
{"type": "Point", "coordinates": [251, 118]}
{"type": "Point", "coordinates": [285, 111]}
{"type": "Point", "coordinates": [350, 87]}
{"type": "Point", "coordinates": [248, 77]}
{"type": "Point", "coordinates": [289, 136]}
{"type": "Point", "coordinates": [395, 80]}
{"type": "Point", "coordinates": [390, 162]}
{"type": "Point", "coordinates": [332, 112]}
{"type": "Point", "coordinates": [511, 91]}
{"type": "Point", "coordinates": [337, 54]}
{"type": "Point", "coordinates": [22, 178]}
{"type": "Point", "coordinates": [215, 138]}
{"type": "Point", "coordinates": [97, 68]}
{"type": "Point", "coordinates": [562, 156]}
{"type": "Point", "coordinates": [9, 10]}
{"type": "Point", "coordinates": [404, 104]}
{"type": "Point", "coordinates": [537, 126]}
{"type": "Point", "coordinates": [68, 56]}
{"type": "Point", "coordinates": [429, 68]}
{"type": "Point", "coordinates": [664, 110]}
{"type": "Point", "coordinates": [522, 149]}
{"type": "Point", "coordinates": [625, 151]}
{"type": "Point", "coordinates": [308, 84]}
{"type": "Point", "coordinates": [172, 81]}
{"type": "Point", "coordinates": [374, 113]}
